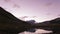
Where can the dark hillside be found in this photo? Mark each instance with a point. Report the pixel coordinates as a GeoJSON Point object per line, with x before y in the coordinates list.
{"type": "Point", "coordinates": [9, 24]}
{"type": "Point", "coordinates": [53, 25]}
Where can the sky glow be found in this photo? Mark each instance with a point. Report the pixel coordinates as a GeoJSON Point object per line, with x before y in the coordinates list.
{"type": "Point", "coordinates": [43, 9]}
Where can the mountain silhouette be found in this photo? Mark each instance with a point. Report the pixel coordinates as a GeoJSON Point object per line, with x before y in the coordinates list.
{"type": "Point", "coordinates": [9, 24]}
{"type": "Point", "coordinates": [52, 25]}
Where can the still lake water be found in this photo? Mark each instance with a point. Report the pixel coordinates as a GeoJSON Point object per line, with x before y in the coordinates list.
{"type": "Point", "coordinates": [38, 31]}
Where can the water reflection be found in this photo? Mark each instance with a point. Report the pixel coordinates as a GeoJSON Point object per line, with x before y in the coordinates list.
{"type": "Point", "coordinates": [38, 31]}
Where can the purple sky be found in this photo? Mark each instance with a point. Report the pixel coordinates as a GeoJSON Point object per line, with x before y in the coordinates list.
{"type": "Point", "coordinates": [44, 9]}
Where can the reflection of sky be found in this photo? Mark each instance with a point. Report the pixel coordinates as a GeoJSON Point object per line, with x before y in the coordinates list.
{"type": "Point", "coordinates": [45, 9]}
{"type": "Point", "coordinates": [38, 31]}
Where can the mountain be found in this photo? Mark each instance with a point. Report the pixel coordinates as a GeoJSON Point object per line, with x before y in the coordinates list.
{"type": "Point", "coordinates": [9, 24]}
{"type": "Point", "coordinates": [52, 25]}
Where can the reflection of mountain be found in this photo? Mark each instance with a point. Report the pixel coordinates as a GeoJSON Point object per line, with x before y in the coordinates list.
{"type": "Point", "coordinates": [53, 25]}
{"type": "Point", "coordinates": [9, 24]}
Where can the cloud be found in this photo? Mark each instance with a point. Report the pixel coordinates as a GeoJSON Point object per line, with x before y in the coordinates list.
{"type": "Point", "coordinates": [49, 4]}
{"type": "Point", "coordinates": [58, 15]}
{"type": "Point", "coordinates": [16, 6]}
{"type": "Point", "coordinates": [7, 0]}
